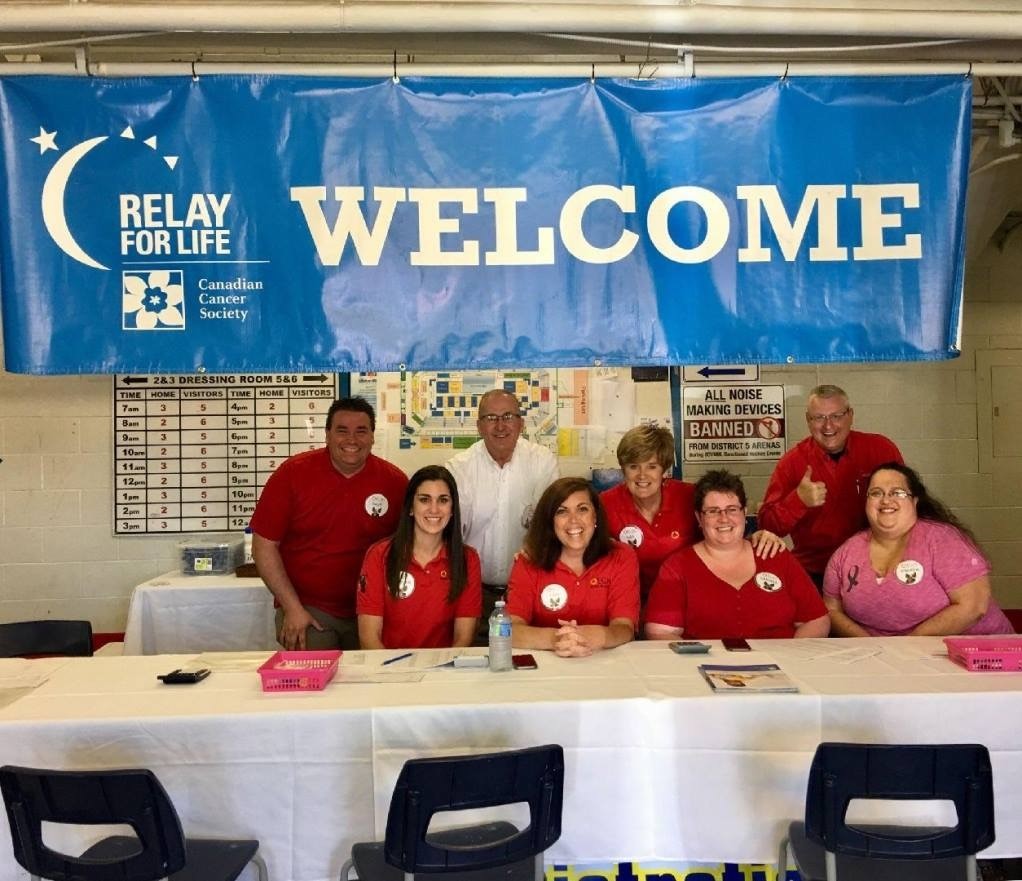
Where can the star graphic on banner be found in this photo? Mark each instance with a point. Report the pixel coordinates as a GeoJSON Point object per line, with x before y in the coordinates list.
{"type": "Point", "coordinates": [46, 140]}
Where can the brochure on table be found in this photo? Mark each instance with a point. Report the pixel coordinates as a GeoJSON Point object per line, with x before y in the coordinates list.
{"type": "Point", "coordinates": [746, 678]}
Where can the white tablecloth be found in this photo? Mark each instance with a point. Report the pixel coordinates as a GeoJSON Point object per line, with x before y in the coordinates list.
{"type": "Point", "coordinates": [658, 768]}
{"type": "Point", "coordinates": [176, 613]}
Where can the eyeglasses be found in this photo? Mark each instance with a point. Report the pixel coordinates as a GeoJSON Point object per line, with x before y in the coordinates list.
{"type": "Point", "coordinates": [821, 418]}
{"type": "Point", "coordinates": [494, 418]}
{"type": "Point", "coordinates": [896, 493]}
{"type": "Point", "coordinates": [729, 511]}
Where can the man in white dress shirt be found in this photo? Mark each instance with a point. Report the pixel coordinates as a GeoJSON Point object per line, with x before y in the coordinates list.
{"type": "Point", "coordinates": [500, 478]}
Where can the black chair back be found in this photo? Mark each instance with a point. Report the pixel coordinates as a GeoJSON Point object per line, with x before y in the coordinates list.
{"type": "Point", "coordinates": [135, 798]}
{"type": "Point", "coordinates": [46, 637]}
{"type": "Point", "coordinates": [955, 772]}
{"type": "Point", "coordinates": [427, 786]}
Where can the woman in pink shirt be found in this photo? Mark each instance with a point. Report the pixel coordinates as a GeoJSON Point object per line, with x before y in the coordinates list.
{"type": "Point", "coordinates": [916, 571]}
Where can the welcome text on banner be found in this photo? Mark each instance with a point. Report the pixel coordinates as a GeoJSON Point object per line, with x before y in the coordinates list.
{"type": "Point", "coordinates": [282, 223]}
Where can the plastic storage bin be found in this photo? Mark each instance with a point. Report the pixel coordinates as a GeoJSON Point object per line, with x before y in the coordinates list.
{"type": "Point", "coordinates": [299, 671]}
{"type": "Point", "coordinates": [989, 653]}
{"type": "Point", "coordinates": [211, 555]}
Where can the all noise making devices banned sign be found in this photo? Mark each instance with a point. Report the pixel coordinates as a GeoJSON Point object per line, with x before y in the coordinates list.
{"type": "Point", "coordinates": [733, 422]}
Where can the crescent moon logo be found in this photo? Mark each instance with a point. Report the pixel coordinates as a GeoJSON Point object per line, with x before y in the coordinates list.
{"type": "Point", "coordinates": [53, 202]}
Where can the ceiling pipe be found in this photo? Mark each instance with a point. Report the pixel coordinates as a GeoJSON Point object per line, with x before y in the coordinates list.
{"type": "Point", "coordinates": [371, 16]}
{"type": "Point", "coordinates": [568, 70]}
{"type": "Point", "coordinates": [37, 68]}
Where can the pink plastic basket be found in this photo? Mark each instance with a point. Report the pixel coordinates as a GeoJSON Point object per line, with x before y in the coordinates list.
{"type": "Point", "coordinates": [1002, 654]}
{"type": "Point", "coordinates": [299, 671]}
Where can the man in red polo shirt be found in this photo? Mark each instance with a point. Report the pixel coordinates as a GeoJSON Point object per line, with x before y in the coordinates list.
{"type": "Point", "coordinates": [314, 521]}
{"type": "Point", "coordinates": [817, 491]}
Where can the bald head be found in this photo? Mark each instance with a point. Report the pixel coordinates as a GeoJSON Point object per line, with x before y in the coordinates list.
{"type": "Point", "coordinates": [499, 424]}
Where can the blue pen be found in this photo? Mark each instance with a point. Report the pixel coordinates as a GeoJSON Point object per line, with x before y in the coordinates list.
{"type": "Point", "coordinates": [395, 660]}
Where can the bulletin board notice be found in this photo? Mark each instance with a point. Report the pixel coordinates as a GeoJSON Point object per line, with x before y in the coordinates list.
{"type": "Point", "coordinates": [192, 452]}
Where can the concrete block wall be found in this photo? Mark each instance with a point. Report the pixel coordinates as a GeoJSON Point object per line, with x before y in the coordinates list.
{"type": "Point", "coordinates": [58, 557]}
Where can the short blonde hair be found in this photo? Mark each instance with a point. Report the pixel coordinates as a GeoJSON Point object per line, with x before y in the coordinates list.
{"type": "Point", "coordinates": [827, 391]}
{"type": "Point", "coordinates": [646, 441]}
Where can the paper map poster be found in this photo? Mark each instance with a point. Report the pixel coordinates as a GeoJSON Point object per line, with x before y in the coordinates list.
{"type": "Point", "coordinates": [579, 413]}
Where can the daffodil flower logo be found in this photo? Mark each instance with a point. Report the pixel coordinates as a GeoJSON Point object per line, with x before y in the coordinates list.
{"type": "Point", "coordinates": [153, 300]}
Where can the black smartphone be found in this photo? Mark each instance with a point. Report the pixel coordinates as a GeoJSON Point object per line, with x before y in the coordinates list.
{"type": "Point", "coordinates": [183, 677]}
{"type": "Point", "coordinates": [735, 644]}
{"type": "Point", "coordinates": [523, 662]}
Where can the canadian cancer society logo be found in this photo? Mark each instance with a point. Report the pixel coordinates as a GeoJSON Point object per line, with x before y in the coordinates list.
{"type": "Point", "coordinates": [153, 300]}
{"type": "Point", "coordinates": [143, 234]}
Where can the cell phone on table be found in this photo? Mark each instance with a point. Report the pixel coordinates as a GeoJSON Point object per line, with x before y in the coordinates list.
{"type": "Point", "coordinates": [523, 662]}
{"type": "Point", "coordinates": [183, 677]}
{"type": "Point", "coordinates": [689, 647]}
{"type": "Point", "coordinates": [736, 644]}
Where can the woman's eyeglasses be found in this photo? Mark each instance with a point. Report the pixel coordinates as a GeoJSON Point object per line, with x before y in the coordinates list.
{"type": "Point", "coordinates": [494, 418]}
{"type": "Point", "coordinates": [729, 511]}
{"type": "Point", "coordinates": [896, 493]}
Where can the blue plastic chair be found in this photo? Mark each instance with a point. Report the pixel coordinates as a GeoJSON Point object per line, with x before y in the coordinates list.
{"type": "Point", "coordinates": [827, 847]}
{"type": "Point", "coordinates": [495, 851]}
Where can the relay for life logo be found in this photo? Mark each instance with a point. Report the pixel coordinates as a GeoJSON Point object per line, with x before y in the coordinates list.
{"type": "Point", "coordinates": [153, 228]}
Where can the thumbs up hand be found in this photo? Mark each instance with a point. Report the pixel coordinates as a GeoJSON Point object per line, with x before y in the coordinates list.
{"type": "Point", "coordinates": [813, 493]}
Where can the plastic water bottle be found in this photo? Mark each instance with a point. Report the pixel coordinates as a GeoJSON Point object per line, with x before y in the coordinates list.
{"type": "Point", "coordinates": [500, 639]}
{"type": "Point", "coordinates": [248, 544]}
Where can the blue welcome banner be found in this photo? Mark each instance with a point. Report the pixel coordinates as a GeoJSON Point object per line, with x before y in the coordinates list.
{"type": "Point", "coordinates": [283, 223]}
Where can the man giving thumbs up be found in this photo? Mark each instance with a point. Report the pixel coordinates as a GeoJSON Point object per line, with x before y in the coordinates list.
{"type": "Point", "coordinates": [816, 493]}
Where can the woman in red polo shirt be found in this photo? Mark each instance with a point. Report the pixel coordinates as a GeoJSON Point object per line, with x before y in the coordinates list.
{"type": "Point", "coordinates": [652, 511]}
{"type": "Point", "coordinates": [421, 588]}
{"type": "Point", "coordinates": [718, 588]}
{"type": "Point", "coordinates": [573, 589]}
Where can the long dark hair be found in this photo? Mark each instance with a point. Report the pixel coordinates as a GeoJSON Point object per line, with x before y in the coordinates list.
{"type": "Point", "coordinates": [541, 543]}
{"type": "Point", "coordinates": [399, 554]}
{"type": "Point", "coordinates": [927, 507]}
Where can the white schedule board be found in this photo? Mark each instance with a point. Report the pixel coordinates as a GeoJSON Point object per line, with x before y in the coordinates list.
{"type": "Point", "coordinates": [193, 452]}
{"type": "Point", "coordinates": [729, 423]}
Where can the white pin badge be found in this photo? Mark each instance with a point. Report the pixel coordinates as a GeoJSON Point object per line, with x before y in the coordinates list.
{"type": "Point", "coordinates": [768, 581]}
{"type": "Point", "coordinates": [405, 585]}
{"type": "Point", "coordinates": [376, 505]}
{"type": "Point", "coordinates": [909, 572]}
{"type": "Point", "coordinates": [631, 535]}
{"type": "Point", "coordinates": [553, 597]}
